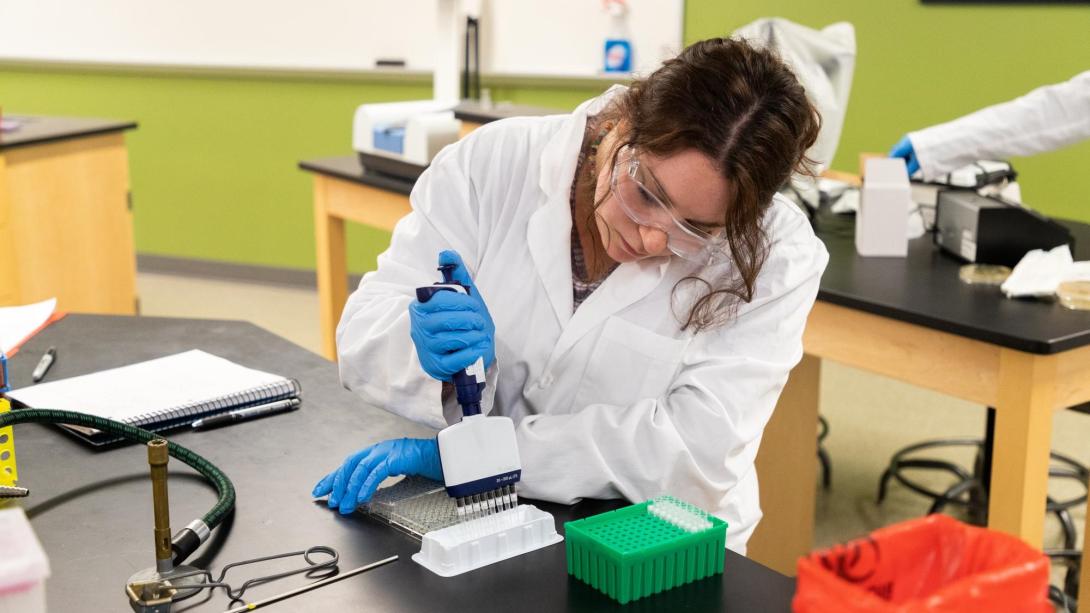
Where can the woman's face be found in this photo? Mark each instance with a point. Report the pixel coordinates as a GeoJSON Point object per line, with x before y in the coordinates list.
{"type": "Point", "coordinates": [687, 180]}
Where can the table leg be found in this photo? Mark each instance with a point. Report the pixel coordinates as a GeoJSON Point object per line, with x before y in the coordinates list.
{"type": "Point", "coordinates": [331, 266]}
{"type": "Point", "coordinates": [787, 471]}
{"type": "Point", "coordinates": [1023, 438]}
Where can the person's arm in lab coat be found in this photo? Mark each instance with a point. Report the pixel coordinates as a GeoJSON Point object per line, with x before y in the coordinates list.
{"type": "Point", "coordinates": [1045, 119]}
{"type": "Point", "coordinates": [686, 442]}
{"type": "Point", "coordinates": [377, 357]}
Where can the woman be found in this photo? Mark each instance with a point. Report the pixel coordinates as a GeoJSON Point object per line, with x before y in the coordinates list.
{"type": "Point", "coordinates": [640, 289]}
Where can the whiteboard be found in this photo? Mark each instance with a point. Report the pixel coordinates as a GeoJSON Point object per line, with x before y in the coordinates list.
{"type": "Point", "coordinates": [544, 37]}
{"type": "Point", "coordinates": [567, 37]}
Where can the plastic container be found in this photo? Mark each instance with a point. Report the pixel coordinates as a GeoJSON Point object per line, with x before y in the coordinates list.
{"type": "Point", "coordinates": [479, 542]}
{"type": "Point", "coordinates": [645, 548]}
{"type": "Point", "coordinates": [618, 45]}
{"type": "Point", "coordinates": [415, 505]}
{"type": "Point", "coordinates": [934, 564]}
{"type": "Point", "coordinates": [23, 565]}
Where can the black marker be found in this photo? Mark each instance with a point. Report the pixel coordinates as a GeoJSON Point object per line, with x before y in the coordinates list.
{"type": "Point", "coordinates": [44, 364]}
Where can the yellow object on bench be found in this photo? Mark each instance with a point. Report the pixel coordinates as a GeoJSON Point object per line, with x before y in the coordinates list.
{"type": "Point", "coordinates": [8, 474]}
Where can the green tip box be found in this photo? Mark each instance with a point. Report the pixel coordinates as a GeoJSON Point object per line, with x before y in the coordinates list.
{"type": "Point", "coordinates": [631, 552]}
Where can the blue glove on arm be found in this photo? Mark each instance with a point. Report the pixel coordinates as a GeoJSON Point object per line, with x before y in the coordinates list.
{"type": "Point", "coordinates": [357, 479]}
{"type": "Point", "coordinates": [452, 330]}
{"type": "Point", "coordinates": [904, 149]}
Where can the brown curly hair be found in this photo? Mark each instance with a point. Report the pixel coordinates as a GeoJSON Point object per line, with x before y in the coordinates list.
{"type": "Point", "coordinates": [744, 108]}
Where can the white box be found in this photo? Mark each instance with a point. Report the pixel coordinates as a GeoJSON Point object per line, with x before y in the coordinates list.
{"type": "Point", "coordinates": [881, 225]}
{"type": "Point", "coordinates": [23, 565]}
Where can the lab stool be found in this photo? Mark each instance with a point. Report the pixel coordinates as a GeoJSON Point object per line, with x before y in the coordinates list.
{"type": "Point", "coordinates": [823, 456]}
{"type": "Point", "coordinates": [970, 491]}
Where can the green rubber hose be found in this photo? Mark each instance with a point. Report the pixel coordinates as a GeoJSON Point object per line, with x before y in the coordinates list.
{"type": "Point", "coordinates": [185, 542]}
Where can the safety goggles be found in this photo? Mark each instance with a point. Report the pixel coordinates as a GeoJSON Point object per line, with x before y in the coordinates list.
{"type": "Point", "coordinates": [629, 183]}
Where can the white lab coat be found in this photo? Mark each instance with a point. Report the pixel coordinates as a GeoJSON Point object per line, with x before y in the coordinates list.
{"type": "Point", "coordinates": [1045, 119]}
{"type": "Point", "coordinates": [613, 400]}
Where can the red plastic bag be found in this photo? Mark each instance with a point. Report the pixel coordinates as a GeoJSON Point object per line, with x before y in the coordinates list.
{"type": "Point", "coordinates": [935, 564]}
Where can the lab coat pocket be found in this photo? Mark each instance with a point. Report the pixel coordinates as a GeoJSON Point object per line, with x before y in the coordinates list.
{"type": "Point", "coordinates": [629, 363]}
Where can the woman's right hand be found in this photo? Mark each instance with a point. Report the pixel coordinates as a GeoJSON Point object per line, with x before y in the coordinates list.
{"type": "Point", "coordinates": [907, 152]}
{"type": "Point", "coordinates": [452, 330]}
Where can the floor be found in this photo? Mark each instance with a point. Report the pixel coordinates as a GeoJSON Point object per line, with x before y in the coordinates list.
{"type": "Point", "coordinates": [870, 416]}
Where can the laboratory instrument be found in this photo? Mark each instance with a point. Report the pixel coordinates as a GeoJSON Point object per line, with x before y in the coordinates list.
{"type": "Point", "coordinates": [188, 539]}
{"type": "Point", "coordinates": [153, 590]}
{"type": "Point", "coordinates": [8, 473]}
{"type": "Point", "coordinates": [645, 548]}
{"type": "Point", "coordinates": [479, 454]}
{"type": "Point", "coordinates": [401, 138]}
{"type": "Point", "coordinates": [250, 606]}
{"type": "Point", "coordinates": [11, 491]}
{"type": "Point", "coordinates": [989, 230]}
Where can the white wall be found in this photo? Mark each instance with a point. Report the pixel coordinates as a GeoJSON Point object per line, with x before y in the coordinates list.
{"type": "Point", "coordinates": [562, 37]}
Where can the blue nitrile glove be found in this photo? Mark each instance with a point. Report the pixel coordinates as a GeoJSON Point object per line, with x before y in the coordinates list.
{"type": "Point", "coordinates": [357, 479]}
{"type": "Point", "coordinates": [452, 330]}
{"type": "Point", "coordinates": [904, 150]}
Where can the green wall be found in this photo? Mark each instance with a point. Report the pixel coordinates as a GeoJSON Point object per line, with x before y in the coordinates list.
{"type": "Point", "coordinates": [213, 163]}
{"type": "Point", "coordinates": [922, 64]}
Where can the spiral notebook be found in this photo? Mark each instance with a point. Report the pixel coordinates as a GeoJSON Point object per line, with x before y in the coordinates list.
{"type": "Point", "coordinates": [160, 394]}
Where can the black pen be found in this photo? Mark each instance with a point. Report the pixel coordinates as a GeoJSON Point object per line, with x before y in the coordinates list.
{"type": "Point", "coordinates": [44, 364]}
{"type": "Point", "coordinates": [248, 413]}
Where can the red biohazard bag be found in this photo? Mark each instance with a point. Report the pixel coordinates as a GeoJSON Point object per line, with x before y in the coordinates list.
{"type": "Point", "coordinates": [935, 564]}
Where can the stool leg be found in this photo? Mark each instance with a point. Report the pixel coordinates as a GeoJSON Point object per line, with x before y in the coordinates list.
{"type": "Point", "coordinates": [1067, 524]}
{"type": "Point", "coordinates": [883, 483]}
{"type": "Point", "coordinates": [826, 469]}
{"type": "Point", "coordinates": [952, 493]}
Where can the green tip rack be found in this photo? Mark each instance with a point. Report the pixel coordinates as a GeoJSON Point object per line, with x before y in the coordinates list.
{"type": "Point", "coordinates": [645, 548]}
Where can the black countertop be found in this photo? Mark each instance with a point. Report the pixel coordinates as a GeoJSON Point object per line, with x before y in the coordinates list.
{"type": "Point", "coordinates": [923, 288]}
{"type": "Point", "coordinates": [92, 509]}
{"type": "Point", "coordinates": [349, 168]}
{"type": "Point", "coordinates": [36, 130]}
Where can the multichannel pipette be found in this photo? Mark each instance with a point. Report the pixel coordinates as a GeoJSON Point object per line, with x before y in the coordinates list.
{"type": "Point", "coordinates": [479, 454]}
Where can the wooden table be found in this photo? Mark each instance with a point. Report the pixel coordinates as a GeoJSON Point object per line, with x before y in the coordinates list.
{"type": "Point", "coordinates": [66, 215]}
{"type": "Point", "coordinates": [92, 510]}
{"type": "Point", "coordinates": [343, 191]}
{"type": "Point", "coordinates": [910, 319]}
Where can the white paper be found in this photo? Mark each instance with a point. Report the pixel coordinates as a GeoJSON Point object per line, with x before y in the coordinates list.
{"type": "Point", "coordinates": [125, 393]}
{"type": "Point", "coordinates": [1039, 272]}
{"type": "Point", "coordinates": [19, 322]}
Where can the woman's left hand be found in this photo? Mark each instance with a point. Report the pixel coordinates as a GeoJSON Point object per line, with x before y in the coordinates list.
{"type": "Point", "coordinates": [356, 480]}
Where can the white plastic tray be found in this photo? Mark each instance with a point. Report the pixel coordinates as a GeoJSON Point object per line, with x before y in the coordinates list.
{"type": "Point", "coordinates": [479, 542]}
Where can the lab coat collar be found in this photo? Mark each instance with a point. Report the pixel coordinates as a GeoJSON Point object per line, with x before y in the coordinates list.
{"type": "Point", "coordinates": [549, 228]}
{"type": "Point", "coordinates": [626, 285]}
